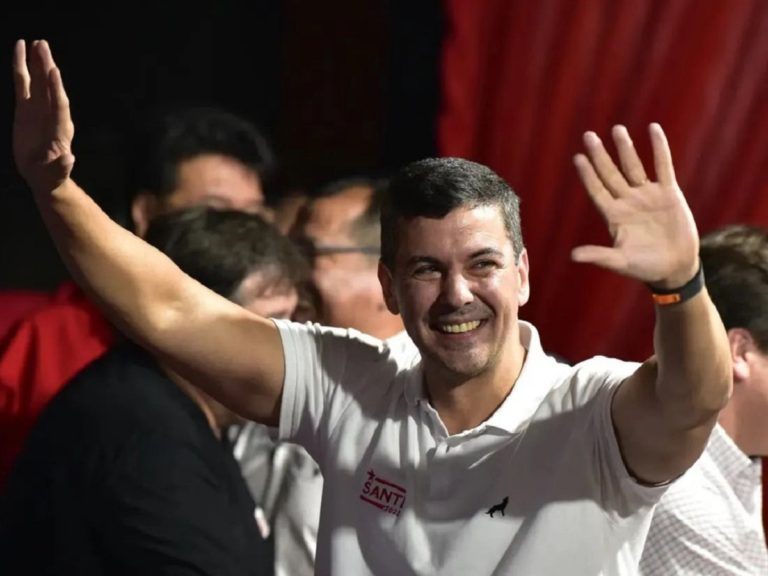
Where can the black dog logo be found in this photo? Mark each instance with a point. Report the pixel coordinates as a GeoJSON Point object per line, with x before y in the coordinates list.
{"type": "Point", "coordinates": [500, 507]}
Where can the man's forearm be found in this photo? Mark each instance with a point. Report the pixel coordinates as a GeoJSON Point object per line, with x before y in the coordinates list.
{"type": "Point", "coordinates": [136, 285]}
{"type": "Point", "coordinates": [665, 412]}
{"type": "Point", "coordinates": [694, 378]}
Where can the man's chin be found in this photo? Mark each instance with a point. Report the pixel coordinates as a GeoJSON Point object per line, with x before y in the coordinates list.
{"type": "Point", "coordinates": [462, 369]}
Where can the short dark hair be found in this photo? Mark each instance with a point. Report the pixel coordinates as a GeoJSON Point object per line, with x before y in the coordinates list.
{"type": "Point", "coordinates": [220, 248]}
{"type": "Point", "coordinates": [433, 187]}
{"type": "Point", "coordinates": [168, 138]}
{"type": "Point", "coordinates": [735, 262]}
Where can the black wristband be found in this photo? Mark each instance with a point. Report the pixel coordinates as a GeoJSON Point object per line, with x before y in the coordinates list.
{"type": "Point", "coordinates": [664, 297]}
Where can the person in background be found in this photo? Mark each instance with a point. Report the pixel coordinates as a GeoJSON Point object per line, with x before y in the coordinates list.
{"type": "Point", "coordinates": [184, 157]}
{"type": "Point", "coordinates": [128, 470]}
{"type": "Point", "coordinates": [339, 228]}
{"type": "Point", "coordinates": [710, 521]}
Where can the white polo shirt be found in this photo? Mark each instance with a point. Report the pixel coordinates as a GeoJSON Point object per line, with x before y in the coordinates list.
{"type": "Point", "coordinates": [539, 488]}
{"type": "Point", "coordinates": [287, 485]}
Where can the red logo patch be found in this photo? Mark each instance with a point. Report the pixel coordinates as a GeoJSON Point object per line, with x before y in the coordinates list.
{"type": "Point", "coordinates": [383, 494]}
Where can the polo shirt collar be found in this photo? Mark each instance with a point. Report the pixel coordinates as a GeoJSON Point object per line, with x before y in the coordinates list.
{"type": "Point", "coordinates": [532, 385]}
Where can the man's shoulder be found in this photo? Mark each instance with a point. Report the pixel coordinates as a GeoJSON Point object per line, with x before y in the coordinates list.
{"type": "Point", "coordinates": [581, 383]}
{"type": "Point", "coordinates": [347, 345]}
{"type": "Point", "coordinates": [125, 363]}
{"type": "Point", "coordinates": [715, 474]}
{"type": "Point", "coordinates": [125, 384]}
{"type": "Point", "coordinates": [604, 367]}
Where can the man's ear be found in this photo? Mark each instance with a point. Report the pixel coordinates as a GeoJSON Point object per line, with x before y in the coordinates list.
{"type": "Point", "coordinates": [387, 288]}
{"type": "Point", "coordinates": [144, 207]}
{"type": "Point", "coordinates": [741, 343]}
{"type": "Point", "coordinates": [524, 289]}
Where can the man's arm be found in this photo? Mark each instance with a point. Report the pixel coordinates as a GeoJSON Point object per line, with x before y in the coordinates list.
{"type": "Point", "coordinates": [664, 413]}
{"type": "Point", "coordinates": [235, 356]}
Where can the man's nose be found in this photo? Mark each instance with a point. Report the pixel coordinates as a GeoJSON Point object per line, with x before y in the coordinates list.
{"type": "Point", "coordinates": [456, 290]}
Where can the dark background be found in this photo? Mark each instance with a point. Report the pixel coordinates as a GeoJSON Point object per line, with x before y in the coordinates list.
{"type": "Point", "coordinates": [338, 87]}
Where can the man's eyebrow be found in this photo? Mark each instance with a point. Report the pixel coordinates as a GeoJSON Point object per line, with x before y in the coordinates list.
{"type": "Point", "coordinates": [487, 252]}
{"type": "Point", "coordinates": [413, 260]}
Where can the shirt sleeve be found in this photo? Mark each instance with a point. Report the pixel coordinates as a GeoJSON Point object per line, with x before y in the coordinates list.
{"type": "Point", "coordinates": [623, 495]}
{"type": "Point", "coordinates": [166, 509]}
{"type": "Point", "coordinates": [325, 369]}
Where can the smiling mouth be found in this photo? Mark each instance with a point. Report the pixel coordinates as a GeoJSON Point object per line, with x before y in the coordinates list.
{"type": "Point", "coordinates": [459, 328]}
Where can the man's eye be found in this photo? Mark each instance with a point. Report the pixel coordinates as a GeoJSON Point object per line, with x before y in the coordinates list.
{"type": "Point", "coordinates": [484, 265]}
{"type": "Point", "coordinates": [426, 271]}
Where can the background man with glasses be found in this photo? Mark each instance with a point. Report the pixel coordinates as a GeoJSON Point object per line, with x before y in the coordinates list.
{"type": "Point", "coordinates": [340, 230]}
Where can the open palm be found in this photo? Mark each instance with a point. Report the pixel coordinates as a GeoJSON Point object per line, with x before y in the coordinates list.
{"type": "Point", "coordinates": [654, 234]}
{"type": "Point", "coordinates": [42, 127]}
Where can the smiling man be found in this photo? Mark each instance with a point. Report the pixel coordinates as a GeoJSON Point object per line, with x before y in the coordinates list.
{"type": "Point", "coordinates": [414, 456]}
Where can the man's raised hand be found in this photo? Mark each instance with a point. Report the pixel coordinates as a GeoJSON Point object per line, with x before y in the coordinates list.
{"type": "Point", "coordinates": [655, 239]}
{"type": "Point", "coordinates": [42, 127]}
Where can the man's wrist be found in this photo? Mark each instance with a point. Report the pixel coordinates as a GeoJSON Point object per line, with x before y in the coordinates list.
{"type": "Point", "coordinates": [679, 294]}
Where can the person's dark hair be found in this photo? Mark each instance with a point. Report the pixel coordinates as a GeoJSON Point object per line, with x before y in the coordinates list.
{"type": "Point", "coordinates": [169, 138]}
{"type": "Point", "coordinates": [220, 248]}
{"type": "Point", "coordinates": [433, 187]}
{"type": "Point", "coordinates": [735, 262]}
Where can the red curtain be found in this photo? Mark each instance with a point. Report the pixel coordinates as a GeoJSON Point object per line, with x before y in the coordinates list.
{"type": "Point", "coordinates": [523, 79]}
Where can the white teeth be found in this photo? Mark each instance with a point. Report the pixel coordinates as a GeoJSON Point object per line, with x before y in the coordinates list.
{"type": "Point", "coordinates": [459, 328]}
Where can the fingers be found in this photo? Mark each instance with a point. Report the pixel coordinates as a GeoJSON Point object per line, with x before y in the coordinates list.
{"type": "Point", "coordinates": [39, 76]}
{"type": "Point", "coordinates": [602, 256]}
{"type": "Point", "coordinates": [600, 196]}
{"type": "Point", "coordinates": [662, 156]}
{"type": "Point", "coordinates": [59, 99]}
{"type": "Point", "coordinates": [632, 172]}
{"type": "Point", "coordinates": [46, 57]}
{"type": "Point", "coordinates": [631, 165]}
{"type": "Point", "coordinates": [20, 72]}
{"type": "Point", "coordinates": [606, 170]}
{"type": "Point", "coordinates": [48, 65]}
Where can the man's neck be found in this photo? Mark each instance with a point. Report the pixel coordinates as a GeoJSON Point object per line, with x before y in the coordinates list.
{"type": "Point", "coordinates": [465, 404]}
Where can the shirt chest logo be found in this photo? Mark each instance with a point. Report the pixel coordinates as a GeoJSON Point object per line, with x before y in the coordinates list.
{"type": "Point", "coordinates": [382, 494]}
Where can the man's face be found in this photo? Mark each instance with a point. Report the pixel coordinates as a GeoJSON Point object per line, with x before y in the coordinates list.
{"type": "Point", "coordinates": [218, 182]}
{"type": "Point", "coordinates": [344, 277]}
{"type": "Point", "coordinates": [206, 180]}
{"type": "Point", "coordinates": [458, 287]}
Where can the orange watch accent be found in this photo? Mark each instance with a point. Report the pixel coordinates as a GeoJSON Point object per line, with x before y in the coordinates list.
{"type": "Point", "coordinates": [665, 297]}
